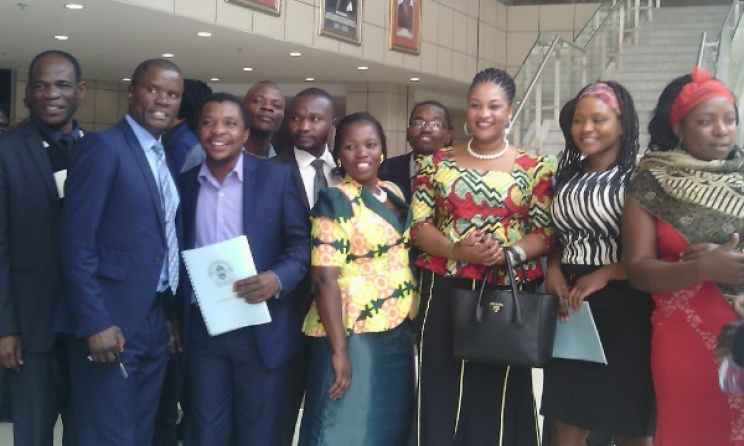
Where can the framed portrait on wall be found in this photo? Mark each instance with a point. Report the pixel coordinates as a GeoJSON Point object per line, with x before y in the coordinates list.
{"type": "Point", "coordinates": [272, 7]}
{"type": "Point", "coordinates": [405, 25]}
{"type": "Point", "coordinates": [342, 19]}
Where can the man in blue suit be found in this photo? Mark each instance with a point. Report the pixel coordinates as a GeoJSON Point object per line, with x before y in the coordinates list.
{"type": "Point", "coordinates": [33, 163]}
{"type": "Point", "coordinates": [239, 381]}
{"type": "Point", "coordinates": [119, 255]}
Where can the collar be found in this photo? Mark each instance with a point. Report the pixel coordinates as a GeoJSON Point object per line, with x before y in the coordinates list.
{"type": "Point", "coordinates": [304, 158]}
{"type": "Point", "coordinates": [55, 133]}
{"type": "Point", "coordinates": [206, 175]}
{"type": "Point", "coordinates": [145, 138]}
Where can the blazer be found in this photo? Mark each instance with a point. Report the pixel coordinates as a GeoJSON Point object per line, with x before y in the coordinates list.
{"type": "Point", "coordinates": [30, 277]}
{"type": "Point", "coordinates": [398, 170]}
{"type": "Point", "coordinates": [287, 157]}
{"type": "Point", "coordinates": [112, 233]}
{"type": "Point", "coordinates": [277, 226]}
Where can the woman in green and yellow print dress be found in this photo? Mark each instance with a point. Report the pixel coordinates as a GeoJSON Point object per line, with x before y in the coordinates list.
{"type": "Point", "coordinates": [360, 381]}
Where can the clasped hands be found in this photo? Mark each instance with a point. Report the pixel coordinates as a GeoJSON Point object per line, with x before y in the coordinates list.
{"type": "Point", "coordinates": [479, 248]}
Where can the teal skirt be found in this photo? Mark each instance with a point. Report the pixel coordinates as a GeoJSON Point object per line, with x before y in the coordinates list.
{"type": "Point", "coordinates": [377, 409]}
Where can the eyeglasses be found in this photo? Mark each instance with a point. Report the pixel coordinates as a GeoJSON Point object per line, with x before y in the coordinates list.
{"type": "Point", "coordinates": [420, 123]}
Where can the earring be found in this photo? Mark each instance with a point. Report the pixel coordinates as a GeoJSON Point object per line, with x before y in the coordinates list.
{"type": "Point", "coordinates": [679, 145]}
{"type": "Point", "coordinates": [382, 157]}
{"type": "Point", "coordinates": [508, 128]}
{"type": "Point", "coordinates": [338, 161]}
{"type": "Point", "coordinates": [466, 130]}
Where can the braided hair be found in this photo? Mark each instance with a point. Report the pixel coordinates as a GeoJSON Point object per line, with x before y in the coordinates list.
{"type": "Point", "coordinates": [571, 162]}
{"type": "Point", "coordinates": [194, 92]}
{"type": "Point", "coordinates": [497, 77]}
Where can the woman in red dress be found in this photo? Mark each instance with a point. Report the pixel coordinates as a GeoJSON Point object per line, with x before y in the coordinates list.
{"type": "Point", "coordinates": [682, 224]}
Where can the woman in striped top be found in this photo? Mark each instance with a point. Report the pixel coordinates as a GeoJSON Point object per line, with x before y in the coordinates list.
{"type": "Point", "coordinates": [578, 396]}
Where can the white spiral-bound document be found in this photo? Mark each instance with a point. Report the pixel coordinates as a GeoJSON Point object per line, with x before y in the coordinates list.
{"type": "Point", "coordinates": [213, 269]}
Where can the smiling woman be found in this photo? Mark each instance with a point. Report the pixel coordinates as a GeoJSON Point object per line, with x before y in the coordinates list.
{"type": "Point", "coordinates": [360, 385]}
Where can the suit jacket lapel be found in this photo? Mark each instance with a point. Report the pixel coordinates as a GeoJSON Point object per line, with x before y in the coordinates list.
{"type": "Point", "coordinates": [189, 198]}
{"type": "Point", "coordinates": [139, 156]}
{"type": "Point", "coordinates": [250, 171]}
{"type": "Point", "coordinates": [35, 146]}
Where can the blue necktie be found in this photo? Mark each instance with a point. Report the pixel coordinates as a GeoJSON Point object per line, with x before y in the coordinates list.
{"type": "Point", "coordinates": [169, 208]}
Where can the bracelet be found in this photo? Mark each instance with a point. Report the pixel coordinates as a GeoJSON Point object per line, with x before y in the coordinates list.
{"type": "Point", "coordinates": [451, 250]}
{"type": "Point", "coordinates": [519, 252]}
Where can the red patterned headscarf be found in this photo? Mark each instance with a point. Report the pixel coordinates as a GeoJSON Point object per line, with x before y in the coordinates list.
{"type": "Point", "coordinates": [702, 88]}
{"type": "Point", "coordinates": [604, 93]}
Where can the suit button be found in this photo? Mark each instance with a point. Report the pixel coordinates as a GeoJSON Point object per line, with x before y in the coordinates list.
{"type": "Point", "coordinates": [158, 258]}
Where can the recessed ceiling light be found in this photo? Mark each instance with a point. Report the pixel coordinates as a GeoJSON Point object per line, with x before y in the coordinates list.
{"type": "Point", "coordinates": [204, 34]}
{"type": "Point", "coordinates": [168, 55]}
{"type": "Point", "coordinates": [61, 37]}
{"type": "Point", "coordinates": [295, 54]}
{"type": "Point", "coordinates": [415, 79]}
{"type": "Point", "coordinates": [309, 79]}
{"type": "Point", "coordinates": [73, 6]}
{"type": "Point", "coordinates": [126, 79]}
{"type": "Point", "coordinates": [247, 69]}
{"type": "Point", "coordinates": [215, 79]}
{"type": "Point", "coordinates": [362, 68]}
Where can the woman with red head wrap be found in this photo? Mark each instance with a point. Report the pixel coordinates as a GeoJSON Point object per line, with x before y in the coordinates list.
{"type": "Point", "coordinates": [682, 225]}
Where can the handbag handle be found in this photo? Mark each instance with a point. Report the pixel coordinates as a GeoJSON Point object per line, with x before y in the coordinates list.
{"type": "Point", "coordinates": [517, 317]}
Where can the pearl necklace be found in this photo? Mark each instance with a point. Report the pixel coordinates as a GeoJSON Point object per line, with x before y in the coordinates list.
{"type": "Point", "coordinates": [382, 196]}
{"type": "Point", "coordinates": [492, 156]}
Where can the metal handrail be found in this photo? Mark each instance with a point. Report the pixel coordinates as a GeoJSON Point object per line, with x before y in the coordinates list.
{"type": "Point", "coordinates": [601, 25]}
{"type": "Point", "coordinates": [558, 41]}
{"type": "Point", "coordinates": [733, 10]}
{"type": "Point", "coordinates": [533, 82]}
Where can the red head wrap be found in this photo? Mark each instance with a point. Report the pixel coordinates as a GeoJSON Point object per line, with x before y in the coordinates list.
{"type": "Point", "coordinates": [702, 88]}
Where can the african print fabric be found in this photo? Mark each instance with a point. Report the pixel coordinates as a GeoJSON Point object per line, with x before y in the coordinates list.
{"type": "Point", "coordinates": [507, 205]}
{"type": "Point", "coordinates": [353, 231]}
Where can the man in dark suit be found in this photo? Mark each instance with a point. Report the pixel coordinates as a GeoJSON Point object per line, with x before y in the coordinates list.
{"type": "Point", "coordinates": [429, 129]}
{"type": "Point", "coordinates": [119, 252]}
{"type": "Point", "coordinates": [238, 381]}
{"type": "Point", "coordinates": [33, 164]}
{"type": "Point", "coordinates": [311, 116]}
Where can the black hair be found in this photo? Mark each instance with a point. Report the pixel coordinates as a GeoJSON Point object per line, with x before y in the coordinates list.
{"type": "Point", "coordinates": [437, 104]}
{"type": "Point", "coordinates": [157, 62]}
{"type": "Point", "coordinates": [316, 92]}
{"type": "Point", "coordinates": [571, 162]}
{"type": "Point", "coordinates": [194, 92]}
{"type": "Point", "coordinates": [65, 55]}
{"type": "Point", "coordinates": [353, 119]}
{"type": "Point", "coordinates": [259, 83]}
{"type": "Point", "coordinates": [662, 135]}
{"type": "Point", "coordinates": [497, 77]}
{"type": "Point", "coordinates": [225, 97]}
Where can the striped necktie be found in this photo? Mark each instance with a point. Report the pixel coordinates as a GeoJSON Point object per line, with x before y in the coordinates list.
{"type": "Point", "coordinates": [169, 208]}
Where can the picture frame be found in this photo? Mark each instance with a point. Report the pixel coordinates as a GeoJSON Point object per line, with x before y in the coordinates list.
{"type": "Point", "coordinates": [405, 26]}
{"type": "Point", "coordinates": [272, 7]}
{"type": "Point", "coordinates": [342, 20]}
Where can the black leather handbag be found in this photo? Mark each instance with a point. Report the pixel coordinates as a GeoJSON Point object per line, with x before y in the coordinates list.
{"type": "Point", "coordinates": [507, 327]}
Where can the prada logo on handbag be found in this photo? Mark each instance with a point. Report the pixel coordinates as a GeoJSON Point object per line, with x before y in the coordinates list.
{"type": "Point", "coordinates": [496, 306]}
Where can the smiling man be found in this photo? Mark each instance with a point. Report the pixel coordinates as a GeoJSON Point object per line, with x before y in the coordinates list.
{"type": "Point", "coordinates": [240, 381]}
{"type": "Point", "coordinates": [32, 157]}
{"type": "Point", "coordinates": [119, 252]}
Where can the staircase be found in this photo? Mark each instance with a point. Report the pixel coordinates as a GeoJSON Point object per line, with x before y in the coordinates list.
{"type": "Point", "coordinates": [665, 48]}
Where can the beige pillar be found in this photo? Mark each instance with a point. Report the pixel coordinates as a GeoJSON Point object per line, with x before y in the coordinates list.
{"type": "Point", "coordinates": [390, 104]}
